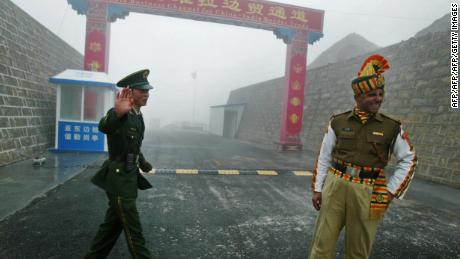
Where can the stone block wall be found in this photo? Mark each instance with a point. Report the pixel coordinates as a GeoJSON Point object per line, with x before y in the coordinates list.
{"type": "Point", "coordinates": [29, 55]}
{"type": "Point", "coordinates": [417, 93]}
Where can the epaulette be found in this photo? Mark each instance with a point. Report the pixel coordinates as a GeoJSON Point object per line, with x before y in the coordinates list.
{"type": "Point", "coordinates": [388, 117]}
{"type": "Point", "coordinates": [333, 116]}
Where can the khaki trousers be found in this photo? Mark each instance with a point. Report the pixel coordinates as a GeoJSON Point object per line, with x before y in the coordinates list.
{"type": "Point", "coordinates": [344, 204]}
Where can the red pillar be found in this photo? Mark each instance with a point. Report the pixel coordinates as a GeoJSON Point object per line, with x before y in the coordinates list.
{"type": "Point", "coordinates": [292, 113]}
{"type": "Point", "coordinates": [97, 37]}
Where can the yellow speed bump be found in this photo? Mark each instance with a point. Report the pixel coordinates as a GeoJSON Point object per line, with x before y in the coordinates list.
{"type": "Point", "coordinates": [302, 173]}
{"type": "Point", "coordinates": [266, 172]}
{"type": "Point", "coordinates": [186, 171]}
{"type": "Point", "coordinates": [228, 172]}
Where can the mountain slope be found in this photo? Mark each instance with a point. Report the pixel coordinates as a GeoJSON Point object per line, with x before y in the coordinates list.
{"type": "Point", "coordinates": [350, 46]}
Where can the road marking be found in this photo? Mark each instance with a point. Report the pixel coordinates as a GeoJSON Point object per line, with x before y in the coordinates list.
{"type": "Point", "coordinates": [228, 172]}
{"type": "Point", "coordinates": [266, 172]}
{"type": "Point", "coordinates": [186, 171]}
{"type": "Point", "coordinates": [302, 173]}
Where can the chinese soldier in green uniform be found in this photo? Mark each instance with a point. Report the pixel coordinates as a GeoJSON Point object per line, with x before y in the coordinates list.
{"type": "Point", "coordinates": [119, 175]}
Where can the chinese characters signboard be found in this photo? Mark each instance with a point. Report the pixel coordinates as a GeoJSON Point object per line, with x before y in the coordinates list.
{"type": "Point", "coordinates": [80, 136]}
{"type": "Point", "coordinates": [265, 14]}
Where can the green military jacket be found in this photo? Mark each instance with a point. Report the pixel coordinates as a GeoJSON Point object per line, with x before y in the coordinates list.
{"type": "Point", "coordinates": [366, 144]}
{"type": "Point", "coordinates": [124, 135]}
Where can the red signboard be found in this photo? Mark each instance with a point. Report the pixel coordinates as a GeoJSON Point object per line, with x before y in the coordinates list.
{"type": "Point", "coordinates": [296, 62]}
{"type": "Point", "coordinates": [251, 12]}
{"type": "Point", "coordinates": [295, 94]}
{"type": "Point", "coordinates": [97, 32]}
{"type": "Point", "coordinates": [95, 51]}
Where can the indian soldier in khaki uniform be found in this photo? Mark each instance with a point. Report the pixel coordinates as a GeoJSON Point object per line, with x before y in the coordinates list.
{"type": "Point", "coordinates": [119, 175]}
{"type": "Point", "coordinates": [350, 188]}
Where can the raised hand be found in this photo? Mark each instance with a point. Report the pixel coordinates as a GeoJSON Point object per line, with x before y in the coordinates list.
{"type": "Point", "coordinates": [124, 102]}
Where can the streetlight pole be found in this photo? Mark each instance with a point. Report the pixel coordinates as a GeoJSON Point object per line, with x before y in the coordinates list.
{"type": "Point", "coordinates": [194, 77]}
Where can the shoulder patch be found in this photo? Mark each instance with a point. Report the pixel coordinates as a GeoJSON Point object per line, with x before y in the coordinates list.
{"type": "Point", "coordinates": [340, 114]}
{"type": "Point", "coordinates": [388, 117]}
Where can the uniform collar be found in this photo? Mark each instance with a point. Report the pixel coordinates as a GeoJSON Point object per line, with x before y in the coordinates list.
{"type": "Point", "coordinates": [136, 111]}
{"type": "Point", "coordinates": [377, 116]}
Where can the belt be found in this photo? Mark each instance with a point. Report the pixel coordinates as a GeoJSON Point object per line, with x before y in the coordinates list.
{"type": "Point", "coordinates": [122, 158]}
{"type": "Point", "coordinates": [360, 172]}
{"type": "Point", "coordinates": [117, 157]}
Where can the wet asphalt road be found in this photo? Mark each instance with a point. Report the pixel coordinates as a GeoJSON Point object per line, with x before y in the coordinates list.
{"type": "Point", "coordinates": [207, 216]}
{"type": "Point", "coordinates": [181, 149]}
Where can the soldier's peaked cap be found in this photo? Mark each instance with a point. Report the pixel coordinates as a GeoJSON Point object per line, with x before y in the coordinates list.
{"type": "Point", "coordinates": [136, 80]}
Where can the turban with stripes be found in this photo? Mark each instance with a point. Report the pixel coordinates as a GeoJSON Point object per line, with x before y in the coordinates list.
{"type": "Point", "coordinates": [370, 75]}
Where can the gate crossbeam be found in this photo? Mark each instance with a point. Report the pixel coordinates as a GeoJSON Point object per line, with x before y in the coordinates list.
{"type": "Point", "coordinates": [297, 26]}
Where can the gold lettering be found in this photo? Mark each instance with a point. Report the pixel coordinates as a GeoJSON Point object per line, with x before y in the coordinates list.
{"type": "Point", "coordinates": [95, 46]}
{"type": "Point", "coordinates": [277, 11]}
{"type": "Point", "coordinates": [295, 101]}
{"type": "Point", "coordinates": [255, 8]}
{"type": "Point", "coordinates": [94, 66]}
{"type": "Point", "coordinates": [233, 5]}
{"type": "Point", "coordinates": [294, 118]}
{"type": "Point", "coordinates": [296, 85]}
{"type": "Point", "coordinates": [299, 15]}
{"type": "Point", "coordinates": [183, 1]}
{"type": "Point", "coordinates": [298, 68]}
{"type": "Point", "coordinates": [206, 3]}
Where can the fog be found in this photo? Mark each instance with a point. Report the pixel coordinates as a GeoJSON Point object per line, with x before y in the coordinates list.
{"type": "Point", "coordinates": [224, 57]}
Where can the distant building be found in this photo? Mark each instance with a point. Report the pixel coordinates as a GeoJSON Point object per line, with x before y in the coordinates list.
{"type": "Point", "coordinates": [224, 120]}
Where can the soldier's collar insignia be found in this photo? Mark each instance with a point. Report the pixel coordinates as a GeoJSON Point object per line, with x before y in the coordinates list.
{"type": "Point", "coordinates": [135, 111]}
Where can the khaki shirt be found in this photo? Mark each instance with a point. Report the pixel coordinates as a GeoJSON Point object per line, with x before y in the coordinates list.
{"type": "Point", "coordinates": [351, 141]}
{"type": "Point", "coordinates": [364, 144]}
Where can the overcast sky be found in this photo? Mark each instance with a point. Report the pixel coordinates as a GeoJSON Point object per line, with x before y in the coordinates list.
{"type": "Point", "coordinates": [225, 57]}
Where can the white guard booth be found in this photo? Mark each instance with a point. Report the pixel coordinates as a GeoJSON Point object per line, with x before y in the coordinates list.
{"type": "Point", "coordinates": [83, 97]}
{"type": "Point", "coordinates": [224, 120]}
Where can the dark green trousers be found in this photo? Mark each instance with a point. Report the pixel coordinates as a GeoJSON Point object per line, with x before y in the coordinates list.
{"type": "Point", "coordinates": [121, 216]}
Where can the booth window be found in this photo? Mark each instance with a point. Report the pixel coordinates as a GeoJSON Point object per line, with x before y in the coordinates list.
{"type": "Point", "coordinates": [94, 104]}
{"type": "Point", "coordinates": [71, 103]}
